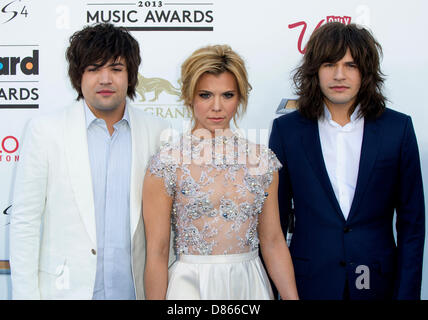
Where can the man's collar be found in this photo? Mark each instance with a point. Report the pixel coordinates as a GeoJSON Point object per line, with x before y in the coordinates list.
{"type": "Point", "coordinates": [354, 116]}
{"type": "Point", "coordinates": [90, 117]}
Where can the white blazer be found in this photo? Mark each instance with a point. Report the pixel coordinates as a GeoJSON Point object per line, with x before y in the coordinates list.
{"type": "Point", "coordinates": [53, 243]}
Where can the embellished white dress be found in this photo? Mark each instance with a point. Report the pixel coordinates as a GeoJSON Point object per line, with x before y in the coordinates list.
{"type": "Point", "coordinates": [218, 188]}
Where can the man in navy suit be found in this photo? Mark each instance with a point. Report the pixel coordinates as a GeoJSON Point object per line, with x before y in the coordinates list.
{"type": "Point", "coordinates": [349, 163]}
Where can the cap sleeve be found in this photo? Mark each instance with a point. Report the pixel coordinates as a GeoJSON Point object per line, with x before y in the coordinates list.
{"type": "Point", "coordinates": [163, 165]}
{"type": "Point", "coordinates": [273, 165]}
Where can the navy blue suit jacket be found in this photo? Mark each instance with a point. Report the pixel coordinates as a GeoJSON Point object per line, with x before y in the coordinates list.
{"type": "Point", "coordinates": [327, 250]}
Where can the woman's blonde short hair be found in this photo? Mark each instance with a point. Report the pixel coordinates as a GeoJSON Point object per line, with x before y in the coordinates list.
{"type": "Point", "coordinates": [214, 59]}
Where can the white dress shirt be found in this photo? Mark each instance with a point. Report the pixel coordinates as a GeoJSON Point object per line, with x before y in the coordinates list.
{"type": "Point", "coordinates": [341, 149]}
{"type": "Point", "coordinates": [110, 160]}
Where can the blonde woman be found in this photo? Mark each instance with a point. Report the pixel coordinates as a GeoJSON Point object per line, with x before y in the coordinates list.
{"type": "Point", "coordinates": [219, 192]}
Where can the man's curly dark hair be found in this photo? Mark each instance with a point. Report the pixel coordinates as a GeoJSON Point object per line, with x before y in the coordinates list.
{"type": "Point", "coordinates": [100, 44]}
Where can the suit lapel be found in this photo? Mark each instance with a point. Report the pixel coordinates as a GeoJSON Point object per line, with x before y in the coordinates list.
{"type": "Point", "coordinates": [140, 153]}
{"type": "Point", "coordinates": [369, 151]}
{"type": "Point", "coordinates": [79, 167]}
{"type": "Point", "coordinates": [312, 146]}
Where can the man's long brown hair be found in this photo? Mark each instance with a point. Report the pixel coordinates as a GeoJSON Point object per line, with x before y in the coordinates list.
{"type": "Point", "coordinates": [329, 43]}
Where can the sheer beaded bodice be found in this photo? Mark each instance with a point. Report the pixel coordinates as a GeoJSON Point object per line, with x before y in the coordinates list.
{"type": "Point", "coordinates": [218, 188]}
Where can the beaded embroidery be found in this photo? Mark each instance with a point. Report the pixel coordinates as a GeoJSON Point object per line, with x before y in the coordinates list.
{"type": "Point", "coordinates": [218, 189]}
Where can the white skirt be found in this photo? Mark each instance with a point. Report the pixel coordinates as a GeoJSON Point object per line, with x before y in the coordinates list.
{"type": "Point", "coordinates": [218, 277]}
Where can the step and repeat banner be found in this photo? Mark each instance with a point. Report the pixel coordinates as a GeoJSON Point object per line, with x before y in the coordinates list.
{"type": "Point", "coordinates": [271, 36]}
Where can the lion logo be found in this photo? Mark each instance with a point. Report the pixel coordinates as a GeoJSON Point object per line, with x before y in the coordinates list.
{"type": "Point", "coordinates": [156, 85]}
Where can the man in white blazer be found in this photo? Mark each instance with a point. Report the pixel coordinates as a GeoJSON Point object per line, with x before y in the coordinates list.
{"type": "Point", "coordinates": [76, 226]}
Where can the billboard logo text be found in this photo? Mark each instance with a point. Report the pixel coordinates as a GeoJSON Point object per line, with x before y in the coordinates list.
{"type": "Point", "coordinates": [28, 65]}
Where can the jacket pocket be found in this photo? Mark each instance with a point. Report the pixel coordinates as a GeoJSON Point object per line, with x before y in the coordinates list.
{"type": "Point", "coordinates": [52, 264]}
